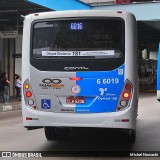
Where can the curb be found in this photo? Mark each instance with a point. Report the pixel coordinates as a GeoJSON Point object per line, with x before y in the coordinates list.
{"type": "Point", "coordinates": [10, 107]}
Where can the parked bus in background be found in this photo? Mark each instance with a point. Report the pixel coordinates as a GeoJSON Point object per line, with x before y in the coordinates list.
{"type": "Point", "coordinates": [79, 69]}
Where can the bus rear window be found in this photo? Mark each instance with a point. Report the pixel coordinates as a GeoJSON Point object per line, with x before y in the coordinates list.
{"type": "Point", "coordinates": [78, 38]}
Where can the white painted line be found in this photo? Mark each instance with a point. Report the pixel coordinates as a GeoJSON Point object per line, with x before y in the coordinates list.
{"type": "Point", "coordinates": [7, 108]}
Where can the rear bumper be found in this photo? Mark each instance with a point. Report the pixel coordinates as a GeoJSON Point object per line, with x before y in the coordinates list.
{"type": "Point", "coordinates": [101, 120]}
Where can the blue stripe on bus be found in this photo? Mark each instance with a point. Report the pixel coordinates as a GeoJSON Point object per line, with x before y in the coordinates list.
{"type": "Point", "coordinates": [100, 89]}
{"type": "Point", "coordinates": [158, 70]}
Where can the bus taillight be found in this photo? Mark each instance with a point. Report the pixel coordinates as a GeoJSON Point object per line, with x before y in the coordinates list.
{"type": "Point", "coordinates": [28, 95]}
{"type": "Point", "coordinates": [126, 96]}
{"type": "Point", "coordinates": [128, 86]}
{"type": "Point", "coordinates": [36, 14]}
{"type": "Point", "coordinates": [26, 86]}
{"type": "Point", "coordinates": [75, 78]}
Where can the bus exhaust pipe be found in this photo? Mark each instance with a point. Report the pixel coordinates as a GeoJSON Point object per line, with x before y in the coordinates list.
{"type": "Point", "coordinates": [33, 128]}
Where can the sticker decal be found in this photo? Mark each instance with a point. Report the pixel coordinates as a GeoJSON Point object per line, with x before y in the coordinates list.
{"type": "Point", "coordinates": [100, 89]}
{"type": "Point", "coordinates": [48, 83]}
{"type": "Point", "coordinates": [79, 53]}
{"type": "Point", "coordinates": [120, 71]}
{"type": "Point", "coordinates": [46, 104]}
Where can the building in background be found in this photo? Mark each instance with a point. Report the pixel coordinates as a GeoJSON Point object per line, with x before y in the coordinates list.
{"type": "Point", "coordinates": [11, 26]}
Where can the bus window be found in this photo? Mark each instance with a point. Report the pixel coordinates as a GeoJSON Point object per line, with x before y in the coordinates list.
{"type": "Point", "coordinates": [103, 36]}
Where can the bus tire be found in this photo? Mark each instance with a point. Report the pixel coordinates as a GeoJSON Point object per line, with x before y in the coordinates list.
{"type": "Point", "coordinates": [56, 133]}
{"type": "Point", "coordinates": [62, 133]}
{"type": "Point", "coordinates": [131, 136]}
{"type": "Point", "coordinates": [50, 133]}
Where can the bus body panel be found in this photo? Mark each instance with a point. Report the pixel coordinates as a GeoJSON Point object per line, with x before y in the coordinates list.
{"type": "Point", "coordinates": [101, 90]}
{"type": "Point", "coordinates": [131, 58]}
{"type": "Point", "coordinates": [99, 115]}
{"type": "Point", "coordinates": [106, 86]}
{"type": "Point", "coordinates": [98, 120]}
{"type": "Point", "coordinates": [80, 13]}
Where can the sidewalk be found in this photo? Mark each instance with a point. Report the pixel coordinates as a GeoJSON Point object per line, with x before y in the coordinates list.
{"type": "Point", "coordinates": [13, 105]}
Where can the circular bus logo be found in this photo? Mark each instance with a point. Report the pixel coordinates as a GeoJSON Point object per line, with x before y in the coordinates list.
{"type": "Point", "coordinates": [75, 89]}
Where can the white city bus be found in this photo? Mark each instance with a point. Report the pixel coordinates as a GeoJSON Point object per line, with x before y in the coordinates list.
{"type": "Point", "coordinates": [79, 69]}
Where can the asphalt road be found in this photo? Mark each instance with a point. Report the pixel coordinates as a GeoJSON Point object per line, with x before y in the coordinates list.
{"type": "Point", "coordinates": [13, 137]}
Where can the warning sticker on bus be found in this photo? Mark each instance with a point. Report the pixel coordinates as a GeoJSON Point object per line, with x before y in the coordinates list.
{"type": "Point", "coordinates": [79, 53]}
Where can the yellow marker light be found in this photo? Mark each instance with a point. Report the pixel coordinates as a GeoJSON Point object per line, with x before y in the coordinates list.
{"type": "Point", "coordinates": [26, 86]}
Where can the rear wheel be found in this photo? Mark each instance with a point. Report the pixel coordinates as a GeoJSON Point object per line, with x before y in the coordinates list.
{"type": "Point", "coordinates": [56, 133]}
{"type": "Point", "coordinates": [50, 133]}
{"type": "Point", "coordinates": [131, 136]}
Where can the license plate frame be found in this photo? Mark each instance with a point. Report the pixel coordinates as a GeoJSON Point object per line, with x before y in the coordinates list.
{"type": "Point", "coordinates": [75, 100]}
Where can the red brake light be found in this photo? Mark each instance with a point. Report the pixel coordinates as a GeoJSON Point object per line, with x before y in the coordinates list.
{"type": "Point", "coordinates": [76, 78]}
{"type": "Point", "coordinates": [36, 14]}
{"type": "Point", "coordinates": [128, 86]}
{"type": "Point", "coordinates": [126, 94]}
{"type": "Point", "coordinates": [28, 94]}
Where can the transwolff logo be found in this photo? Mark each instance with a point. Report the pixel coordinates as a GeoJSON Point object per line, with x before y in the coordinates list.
{"type": "Point", "coordinates": [76, 68]}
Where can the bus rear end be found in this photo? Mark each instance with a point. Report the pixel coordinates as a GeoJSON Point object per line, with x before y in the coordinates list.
{"type": "Point", "coordinates": [77, 71]}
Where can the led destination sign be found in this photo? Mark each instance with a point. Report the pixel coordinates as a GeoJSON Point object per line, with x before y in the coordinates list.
{"type": "Point", "coordinates": [76, 26]}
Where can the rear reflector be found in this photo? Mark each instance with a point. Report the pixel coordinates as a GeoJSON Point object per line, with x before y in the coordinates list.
{"type": "Point", "coordinates": [28, 118]}
{"type": "Point", "coordinates": [35, 107]}
{"type": "Point", "coordinates": [121, 120]}
{"type": "Point", "coordinates": [118, 108]}
{"type": "Point", "coordinates": [125, 120]}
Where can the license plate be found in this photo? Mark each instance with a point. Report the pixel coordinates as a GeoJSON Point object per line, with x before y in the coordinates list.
{"type": "Point", "coordinates": [75, 100]}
